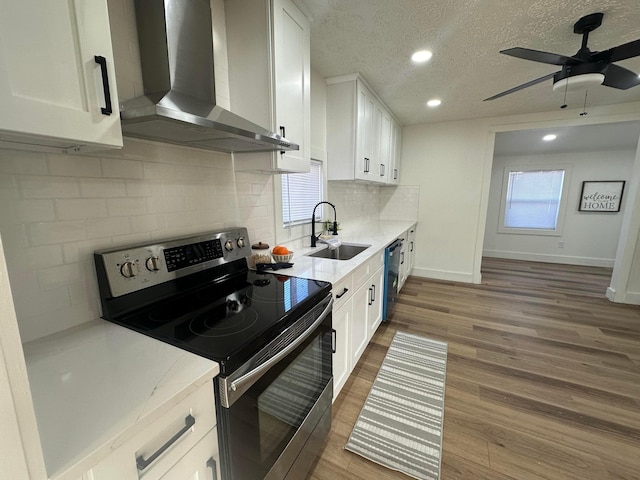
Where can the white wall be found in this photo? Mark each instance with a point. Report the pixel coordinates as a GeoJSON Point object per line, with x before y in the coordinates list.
{"type": "Point", "coordinates": [588, 238]}
{"type": "Point", "coordinates": [451, 163]}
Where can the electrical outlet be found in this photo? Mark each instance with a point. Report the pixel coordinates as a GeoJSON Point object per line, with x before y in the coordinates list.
{"type": "Point", "coordinates": [560, 244]}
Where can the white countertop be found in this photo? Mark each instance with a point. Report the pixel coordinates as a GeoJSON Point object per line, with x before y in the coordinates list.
{"type": "Point", "coordinates": [378, 235]}
{"type": "Point", "coordinates": [96, 385]}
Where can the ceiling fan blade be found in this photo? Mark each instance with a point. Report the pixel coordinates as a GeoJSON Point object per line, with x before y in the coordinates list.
{"type": "Point", "coordinates": [520, 87]}
{"type": "Point", "coordinates": [542, 57]}
{"type": "Point", "coordinates": [621, 52]}
{"type": "Point", "coordinates": [618, 77]}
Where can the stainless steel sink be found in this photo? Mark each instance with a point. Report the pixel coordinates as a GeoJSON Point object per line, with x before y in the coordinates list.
{"type": "Point", "coordinates": [345, 251]}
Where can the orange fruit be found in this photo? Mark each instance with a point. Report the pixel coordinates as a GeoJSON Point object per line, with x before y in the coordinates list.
{"type": "Point", "coordinates": [280, 250]}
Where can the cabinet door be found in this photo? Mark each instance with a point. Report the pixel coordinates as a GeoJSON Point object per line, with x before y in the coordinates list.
{"type": "Point", "coordinates": [292, 71]}
{"type": "Point", "coordinates": [366, 166]}
{"type": "Point", "coordinates": [411, 249]}
{"type": "Point", "coordinates": [358, 326]}
{"type": "Point", "coordinates": [341, 356]}
{"type": "Point", "coordinates": [52, 90]}
{"type": "Point", "coordinates": [200, 463]}
{"type": "Point", "coordinates": [376, 292]}
{"type": "Point", "coordinates": [395, 152]}
{"type": "Point", "coordinates": [385, 158]}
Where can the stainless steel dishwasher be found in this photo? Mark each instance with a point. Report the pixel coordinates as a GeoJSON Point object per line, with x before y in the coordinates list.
{"type": "Point", "coordinates": [392, 260]}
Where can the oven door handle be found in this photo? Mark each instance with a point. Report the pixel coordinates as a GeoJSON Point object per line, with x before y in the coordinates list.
{"type": "Point", "coordinates": [257, 372]}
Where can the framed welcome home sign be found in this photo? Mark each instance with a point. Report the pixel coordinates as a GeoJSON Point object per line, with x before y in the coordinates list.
{"type": "Point", "coordinates": [604, 196]}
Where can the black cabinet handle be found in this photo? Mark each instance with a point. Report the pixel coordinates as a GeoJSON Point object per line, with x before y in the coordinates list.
{"type": "Point", "coordinates": [334, 340]}
{"type": "Point", "coordinates": [411, 247]}
{"type": "Point", "coordinates": [370, 297]}
{"type": "Point", "coordinates": [100, 60]}
{"type": "Point", "coordinates": [395, 173]}
{"type": "Point", "coordinates": [141, 463]}
{"type": "Point", "coordinates": [211, 463]}
{"type": "Point", "coordinates": [402, 256]}
{"type": "Point", "coordinates": [373, 292]}
{"type": "Point", "coordinates": [343, 293]}
{"type": "Point", "coordinates": [366, 165]}
{"type": "Point", "coordinates": [283, 132]}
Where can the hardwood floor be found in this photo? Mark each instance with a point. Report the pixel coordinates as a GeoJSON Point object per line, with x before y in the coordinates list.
{"type": "Point", "coordinates": [543, 377]}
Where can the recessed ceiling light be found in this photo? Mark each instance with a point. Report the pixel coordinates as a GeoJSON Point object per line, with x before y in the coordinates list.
{"type": "Point", "coordinates": [434, 102]}
{"type": "Point", "coordinates": [550, 137]}
{"type": "Point", "coordinates": [421, 56]}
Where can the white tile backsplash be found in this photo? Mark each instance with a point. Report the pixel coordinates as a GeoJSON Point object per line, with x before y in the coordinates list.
{"type": "Point", "coordinates": [56, 210]}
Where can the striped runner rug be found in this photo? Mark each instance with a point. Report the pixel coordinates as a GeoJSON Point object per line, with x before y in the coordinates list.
{"type": "Point", "coordinates": [400, 425]}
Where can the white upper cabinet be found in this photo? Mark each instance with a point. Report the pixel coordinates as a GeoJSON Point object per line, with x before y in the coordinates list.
{"type": "Point", "coordinates": [57, 81]}
{"type": "Point", "coordinates": [270, 77]}
{"type": "Point", "coordinates": [362, 134]}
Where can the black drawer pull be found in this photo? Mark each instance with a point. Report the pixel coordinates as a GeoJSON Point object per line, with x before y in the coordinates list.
{"type": "Point", "coordinates": [100, 60]}
{"type": "Point", "coordinates": [334, 340]}
{"type": "Point", "coordinates": [141, 463]}
{"type": "Point", "coordinates": [343, 293]}
{"type": "Point", "coordinates": [373, 293]}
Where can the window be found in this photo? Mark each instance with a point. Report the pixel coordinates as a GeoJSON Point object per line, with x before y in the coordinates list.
{"type": "Point", "coordinates": [300, 193]}
{"type": "Point", "coordinates": [532, 201]}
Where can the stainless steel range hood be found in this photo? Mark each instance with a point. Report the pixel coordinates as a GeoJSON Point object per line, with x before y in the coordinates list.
{"type": "Point", "coordinates": [179, 105]}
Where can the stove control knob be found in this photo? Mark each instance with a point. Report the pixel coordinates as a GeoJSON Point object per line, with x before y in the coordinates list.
{"type": "Point", "coordinates": [129, 269]}
{"type": "Point", "coordinates": [228, 245]}
{"type": "Point", "coordinates": [153, 264]}
{"type": "Point", "coordinates": [241, 243]}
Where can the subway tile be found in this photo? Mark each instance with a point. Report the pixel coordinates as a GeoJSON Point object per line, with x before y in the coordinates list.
{"type": "Point", "coordinates": [26, 211]}
{"type": "Point", "coordinates": [82, 251]}
{"type": "Point", "coordinates": [127, 206]}
{"type": "Point", "coordinates": [146, 223]}
{"type": "Point", "coordinates": [61, 275]}
{"type": "Point", "coordinates": [8, 187]}
{"type": "Point", "coordinates": [80, 208]}
{"type": "Point", "coordinates": [49, 187]}
{"type": "Point", "coordinates": [159, 170]}
{"type": "Point", "coordinates": [38, 257]}
{"type": "Point", "coordinates": [103, 188]}
{"type": "Point", "coordinates": [37, 326]}
{"type": "Point", "coordinates": [121, 168]}
{"type": "Point", "coordinates": [74, 165]}
{"type": "Point", "coordinates": [165, 204]}
{"type": "Point", "coordinates": [49, 233]}
{"type": "Point", "coordinates": [107, 227]}
{"type": "Point", "coordinates": [23, 163]}
{"type": "Point", "coordinates": [141, 188]}
{"type": "Point", "coordinates": [30, 301]}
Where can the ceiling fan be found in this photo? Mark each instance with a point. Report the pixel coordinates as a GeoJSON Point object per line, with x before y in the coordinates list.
{"type": "Point", "coordinates": [585, 68]}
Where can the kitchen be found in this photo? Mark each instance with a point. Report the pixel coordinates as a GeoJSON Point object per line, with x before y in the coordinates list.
{"type": "Point", "coordinates": [60, 208]}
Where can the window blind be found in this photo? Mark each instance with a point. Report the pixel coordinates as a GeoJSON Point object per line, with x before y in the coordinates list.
{"type": "Point", "coordinates": [533, 199]}
{"type": "Point", "coordinates": [300, 193]}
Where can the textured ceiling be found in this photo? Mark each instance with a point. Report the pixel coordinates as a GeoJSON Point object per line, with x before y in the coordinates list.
{"type": "Point", "coordinates": [377, 37]}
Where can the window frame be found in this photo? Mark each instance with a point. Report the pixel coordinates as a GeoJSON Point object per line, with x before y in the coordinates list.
{"type": "Point", "coordinates": [557, 232]}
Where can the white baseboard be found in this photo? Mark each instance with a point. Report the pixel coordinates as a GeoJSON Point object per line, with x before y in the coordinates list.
{"type": "Point", "coordinates": [442, 275]}
{"type": "Point", "coordinates": [632, 298]}
{"type": "Point", "coordinates": [611, 294]}
{"type": "Point", "coordinates": [548, 258]}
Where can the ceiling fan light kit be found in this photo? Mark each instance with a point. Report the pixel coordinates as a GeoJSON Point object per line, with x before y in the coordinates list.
{"type": "Point", "coordinates": [579, 82]}
{"type": "Point", "coordinates": [586, 68]}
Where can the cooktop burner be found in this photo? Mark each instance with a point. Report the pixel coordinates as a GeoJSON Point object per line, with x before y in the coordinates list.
{"type": "Point", "coordinates": [227, 321]}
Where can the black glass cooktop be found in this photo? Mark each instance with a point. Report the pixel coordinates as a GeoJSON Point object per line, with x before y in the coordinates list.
{"type": "Point", "coordinates": [228, 322]}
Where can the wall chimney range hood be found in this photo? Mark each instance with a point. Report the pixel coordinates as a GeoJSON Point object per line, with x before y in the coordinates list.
{"type": "Point", "coordinates": [179, 103]}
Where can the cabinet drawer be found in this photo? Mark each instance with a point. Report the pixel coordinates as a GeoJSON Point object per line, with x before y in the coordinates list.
{"type": "Point", "coordinates": [342, 291]}
{"type": "Point", "coordinates": [194, 417]}
{"type": "Point", "coordinates": [201, 462]}
{"type": "Point", "coordinates": [364, 271]}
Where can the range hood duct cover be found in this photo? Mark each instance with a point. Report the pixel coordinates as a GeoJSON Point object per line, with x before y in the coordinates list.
{"type": "Point", "coordinates": [179, 102]}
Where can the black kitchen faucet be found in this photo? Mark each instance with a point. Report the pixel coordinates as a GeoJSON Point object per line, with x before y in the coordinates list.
{"type": "Point", "coordinates": [313, 222]}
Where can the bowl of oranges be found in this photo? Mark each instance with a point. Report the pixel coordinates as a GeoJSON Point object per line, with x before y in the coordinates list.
{"type": "Point", "coordinates": [281, 254]}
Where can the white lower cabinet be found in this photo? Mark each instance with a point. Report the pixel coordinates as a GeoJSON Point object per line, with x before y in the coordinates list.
{"type": "Point", "coordinates": [179, 445]}
{"type": "Point", "coordinates": [359, 331]}
{"type": "Point", "coordinates": [374, 313]}
{"type": "Point", "coordinates": [341, 358]}
{"type": "Point", "coordinates": [200, 463]}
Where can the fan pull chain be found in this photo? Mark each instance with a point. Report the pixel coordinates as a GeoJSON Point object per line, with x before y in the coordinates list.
{"type": "Point", "coordinates": [564, 100]}
{"type": "Point", "coordinates": [584, 108]}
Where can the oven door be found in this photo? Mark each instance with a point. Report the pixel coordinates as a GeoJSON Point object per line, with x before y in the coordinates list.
{"type": "Point", "coordinates": [276, 427]}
